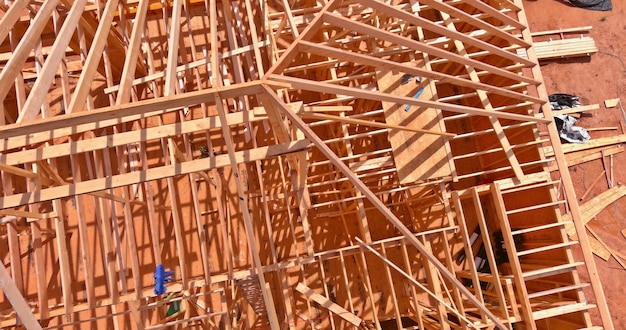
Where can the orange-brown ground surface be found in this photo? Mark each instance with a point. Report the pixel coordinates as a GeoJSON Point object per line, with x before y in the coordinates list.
{"type": "Point", "coordinates": [594, 79]}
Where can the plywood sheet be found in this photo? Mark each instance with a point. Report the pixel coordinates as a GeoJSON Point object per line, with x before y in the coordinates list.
{"type": "Point", "coordinates": [418, 156]}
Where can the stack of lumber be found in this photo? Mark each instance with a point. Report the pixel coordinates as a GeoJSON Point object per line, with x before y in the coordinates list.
{"type": "Point", "coordinates": [564, 47]}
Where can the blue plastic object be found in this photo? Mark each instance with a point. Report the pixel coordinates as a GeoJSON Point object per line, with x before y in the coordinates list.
{"type": "Point", "coordinates": [417, 95]}
{"type": "Point", "coordinates": [161, 276]}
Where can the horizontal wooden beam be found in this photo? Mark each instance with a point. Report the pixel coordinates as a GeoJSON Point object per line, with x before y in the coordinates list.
{"type": "Point", "coordinates": [157, 173]}
{"type": "Point", "coordinates": [114, 140]}
{"type": "Point", "coordinates": [19, 135]}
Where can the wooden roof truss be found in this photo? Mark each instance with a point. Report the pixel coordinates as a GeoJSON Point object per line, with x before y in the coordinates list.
{"type": "Point", "coordinates": [326, 164]}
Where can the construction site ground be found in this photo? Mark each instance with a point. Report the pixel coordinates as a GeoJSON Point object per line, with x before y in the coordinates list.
{"type": "Point", "coordinates": [594, 79]}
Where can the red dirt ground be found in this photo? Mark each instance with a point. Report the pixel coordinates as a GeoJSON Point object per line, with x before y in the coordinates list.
{"type": "Point", "coordinates": [594, 79]}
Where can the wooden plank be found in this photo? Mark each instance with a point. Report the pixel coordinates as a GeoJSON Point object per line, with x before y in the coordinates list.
{"type": "Point", "coordinates": [584, 156]}
{"type": "Point", "coordinates": [489, 249]}
{"type": "Point", "coordinates": [27, 43]}
{"type": "Point", "coordinates": [467, 247]}
{"type": "Point", "coordinates": [10, 17]}
{"type": "Point", "coordinates": [576, 109]}
{"type": "Point", "coordinates": [392, 290]}
{"type": "Point", "coordinates": [611, 103]}
{"type": "Point", "coordinates": [598, 248]}
{"type": "Point", "coordinates": [570, 193]}
{"type": "Point", "coordinates": [511, 250]}
{"type": "Point", "coordinates": [417, 156]}
{"type": "Point", "coordinates": [130, 64]}
{"type": "Point", "coordinates": [64, 262]}
{"type": "Point", "coordinates": [593, 207]}
{"type": "Point", "coordinates": [593, 184]}
{"type": "Point", "coordinates": [559, 31]}
{"type": "Point", "coordinates": [243, 204]}
{"type": "Point", "coordinates": [331, 306]}
{"type": "Point", "coordinates": [564, 48]}
{"type": "Point", "coordinates": [90, 67]}
{"type": "Point", "coordinates": [600, 142]}
{"type": "Point", "coordinates": [16, 299]}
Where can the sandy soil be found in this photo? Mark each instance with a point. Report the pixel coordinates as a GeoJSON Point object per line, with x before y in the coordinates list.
{"type": "Point", "coordinates": [594, 79]}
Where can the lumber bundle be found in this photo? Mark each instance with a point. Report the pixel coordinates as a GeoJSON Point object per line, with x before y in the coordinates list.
{"type": "Point", "coordinates": [565, 46]}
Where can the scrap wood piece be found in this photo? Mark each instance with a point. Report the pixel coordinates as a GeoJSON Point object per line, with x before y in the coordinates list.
{"type": "Point", "coordinates": [607, 128]}
{"type": "Point", "coordinates": [561, 31]}
{"type": "Point", "coordinates": [611, 103]}
{"type": "Point", "coordinates": [611, 252]}
{"type": "Point", "coordinates": [596, 143]}
{"type": "Point", "coordinates": [584, 156]}
{"type": "Point", "coordinates": [593, 184]}
{"type": "Point", "coordinates": [594, 206]}
{"type": "Point", "coordinates": [576, 109]}
{"type": "Point", "coordinates": [331, 306]}
{"type": "Point", "coordinates": [593, 154]}
{"type": "Point", "coordinates": [597, 247]}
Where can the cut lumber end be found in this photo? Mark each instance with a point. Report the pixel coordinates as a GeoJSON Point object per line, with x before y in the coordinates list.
{"type": "Point", "coordinates": [611, 103]}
